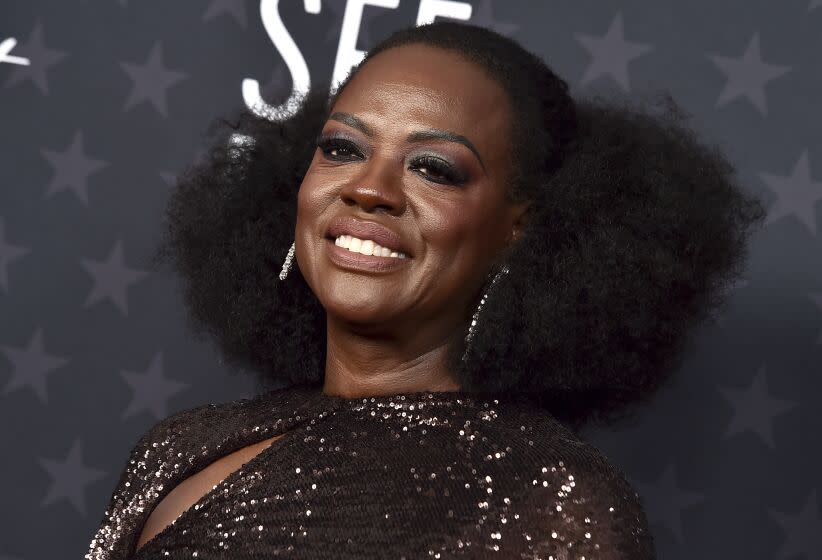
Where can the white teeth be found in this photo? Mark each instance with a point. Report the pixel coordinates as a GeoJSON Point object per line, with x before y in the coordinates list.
{"type": "Point", "coordinates": [366, 247]}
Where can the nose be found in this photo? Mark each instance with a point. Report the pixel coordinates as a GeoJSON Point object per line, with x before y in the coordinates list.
{"type": "Point", "coordinates": [377, 189]}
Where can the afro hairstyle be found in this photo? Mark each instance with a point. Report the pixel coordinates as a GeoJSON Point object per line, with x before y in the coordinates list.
{"type": "Point", "coordinates": [634, 233]}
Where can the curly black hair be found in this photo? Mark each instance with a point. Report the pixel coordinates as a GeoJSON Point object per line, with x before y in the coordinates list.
{"type": "Point", "coordinates": [635, 231]}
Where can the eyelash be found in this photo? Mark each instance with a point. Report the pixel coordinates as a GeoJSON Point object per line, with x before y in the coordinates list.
{"type": "Point", "coordinates": [449, 175]}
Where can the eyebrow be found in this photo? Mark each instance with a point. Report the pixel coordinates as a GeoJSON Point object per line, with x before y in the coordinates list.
{"type": "Point", "coordinates": [420, 135]}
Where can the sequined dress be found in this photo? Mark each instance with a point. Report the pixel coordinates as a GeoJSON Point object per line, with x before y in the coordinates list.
{"type": "Point", "coordinates": [407, 476]}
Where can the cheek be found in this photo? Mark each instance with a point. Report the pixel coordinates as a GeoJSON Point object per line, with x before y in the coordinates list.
{"type": "Point", "coordinates": [465, 226]}
{"type": "Point", "coordinates": [305, 201]}
{"type": "Point", "coordinates": [306, 215]}
{"type": "Point", "coordinates": [319, 189]}
{"type": "Point", "coordinates": [463, 237]}
{"type": "Point", "coordinates": [313, 199]}
{"type": "Point", "coordinates": [307, 194]}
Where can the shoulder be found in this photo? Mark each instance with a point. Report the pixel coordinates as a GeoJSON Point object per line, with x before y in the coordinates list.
{"type": "Point", "coordinates": [213, 420]}
{"type": "Point", "coordinates": [575, 498]}
{"type": "Point", "coordinates": [180, 422]}
{"type": "Point", "coordinates": [180, 437]}
{"type": "Point", "coordinates": [200, 420]}
{"type": "Point", "coordinates": [159, 453]}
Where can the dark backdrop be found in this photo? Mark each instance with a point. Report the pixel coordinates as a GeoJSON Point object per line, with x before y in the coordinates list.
{"type": "Point", "coordinates": [114, 102]}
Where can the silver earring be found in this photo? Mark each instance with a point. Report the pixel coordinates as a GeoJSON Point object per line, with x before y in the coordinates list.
{"type": "Point", "coordinates": [287, 264]}
{"type": "Point", "coordinates": [473, 327]}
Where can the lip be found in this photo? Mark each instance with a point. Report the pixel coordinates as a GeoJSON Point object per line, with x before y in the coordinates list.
{"type": "Point", "coordinates": [344, 258]}
{"type": "Point", "coordinates": [378, 233]}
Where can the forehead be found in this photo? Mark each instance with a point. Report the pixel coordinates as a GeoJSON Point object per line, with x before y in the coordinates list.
{"type": "Point", "coordinates": [420, 85]}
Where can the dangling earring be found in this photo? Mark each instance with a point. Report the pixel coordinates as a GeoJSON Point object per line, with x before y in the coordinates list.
{"type": "Point", "coordinates": [473, 327]}
{"type": "Point", "coordinates": [287, 264]}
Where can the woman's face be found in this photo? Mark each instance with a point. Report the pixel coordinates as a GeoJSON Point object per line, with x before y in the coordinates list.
{"type": "Point", "coordinates": [415, 157]}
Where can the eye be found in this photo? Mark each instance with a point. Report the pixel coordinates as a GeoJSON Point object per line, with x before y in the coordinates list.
{"type": "Point", "coordinates": [438, 170]}
{"type": "Point", "coordinates": [338, 149]}
{"type": "Point", "coordinates": [432, 168]}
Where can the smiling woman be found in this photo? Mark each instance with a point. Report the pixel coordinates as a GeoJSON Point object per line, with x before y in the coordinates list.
{"type": "Point", "coordinates": [405, 154]}
{"type": "Point", "coordinates": [481, 264]}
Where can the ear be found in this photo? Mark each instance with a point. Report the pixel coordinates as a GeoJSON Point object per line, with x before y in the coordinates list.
{"type": "Point", "coordinates": [518, 218]}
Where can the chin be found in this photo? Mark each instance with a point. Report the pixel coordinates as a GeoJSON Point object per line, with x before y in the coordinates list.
{"type": "Point", "coordinates": [356, 303]}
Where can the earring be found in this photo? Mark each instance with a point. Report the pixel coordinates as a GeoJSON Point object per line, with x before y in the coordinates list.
{"type": "Point", "coordinates": [473, 327]}
{"type": "Point", "coordinates": [287, 264]}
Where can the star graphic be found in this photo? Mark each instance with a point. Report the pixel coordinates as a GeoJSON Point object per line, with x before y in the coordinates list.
{"type": "Point", "coordinates": [31, 365]}
{"type": "Point", "coordinates": [797, 193]}
{"type": "Point", "coordinates": [8, 253]}
{"type": "Point", "coordinates": [483, 17]}
{"type": "Point", "coordinates": [664, 500]}
{"type": "Point", "coordinates": [69, 478]}
{"type": "Point", "coordinates": [611, 53]}
{"type": "Point", "coordinates": [803, 530]}
{"type": "Point", "coordinates": [754, 408]}
{"type": "Point", "coordinates": [72, 168]}
{"type": "Point", "coordinates": [747, 75]}
{"type": "Point", "coordinates": [41, 57]}
{"type": "Point", "coordinates": [236, 8]}
{"type": "Point", "coordinates": [111, 278]}
{"type": "Point", "coordinates": [151, 80]}
{"type": "Point", "coordinates": [151, 390]}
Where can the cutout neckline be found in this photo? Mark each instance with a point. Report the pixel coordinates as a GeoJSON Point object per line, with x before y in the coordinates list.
{"type": "Point", "coordinates": [309, 397]}
{"type": "Point", "coordinates": [228, 479]}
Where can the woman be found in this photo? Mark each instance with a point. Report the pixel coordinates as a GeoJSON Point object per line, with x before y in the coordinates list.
{"type": "Point", "coordinates": [480, 262]}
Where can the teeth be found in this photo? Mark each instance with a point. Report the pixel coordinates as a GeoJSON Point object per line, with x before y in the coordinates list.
{"type": "Point", "coordinates": [366, 247]}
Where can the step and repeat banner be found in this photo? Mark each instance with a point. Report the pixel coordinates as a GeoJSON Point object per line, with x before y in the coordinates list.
{"type": "Point", "coordinates": [104, 102]}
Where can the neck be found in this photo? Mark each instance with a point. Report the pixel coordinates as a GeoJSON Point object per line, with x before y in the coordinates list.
{"type": "Point", "coordinates": [364, 364]}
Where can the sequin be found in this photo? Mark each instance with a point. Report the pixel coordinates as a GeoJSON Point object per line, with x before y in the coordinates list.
{"type": "Point", "coordinates": [406, 476]}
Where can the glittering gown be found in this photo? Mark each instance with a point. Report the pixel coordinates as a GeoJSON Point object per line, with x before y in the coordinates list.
{"type": "Point", "coordinates": [415, 475]}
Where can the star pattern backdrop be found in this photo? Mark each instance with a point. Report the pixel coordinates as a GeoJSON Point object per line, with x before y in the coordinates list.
{"type": "Point", "coordinates": [113, 104]}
